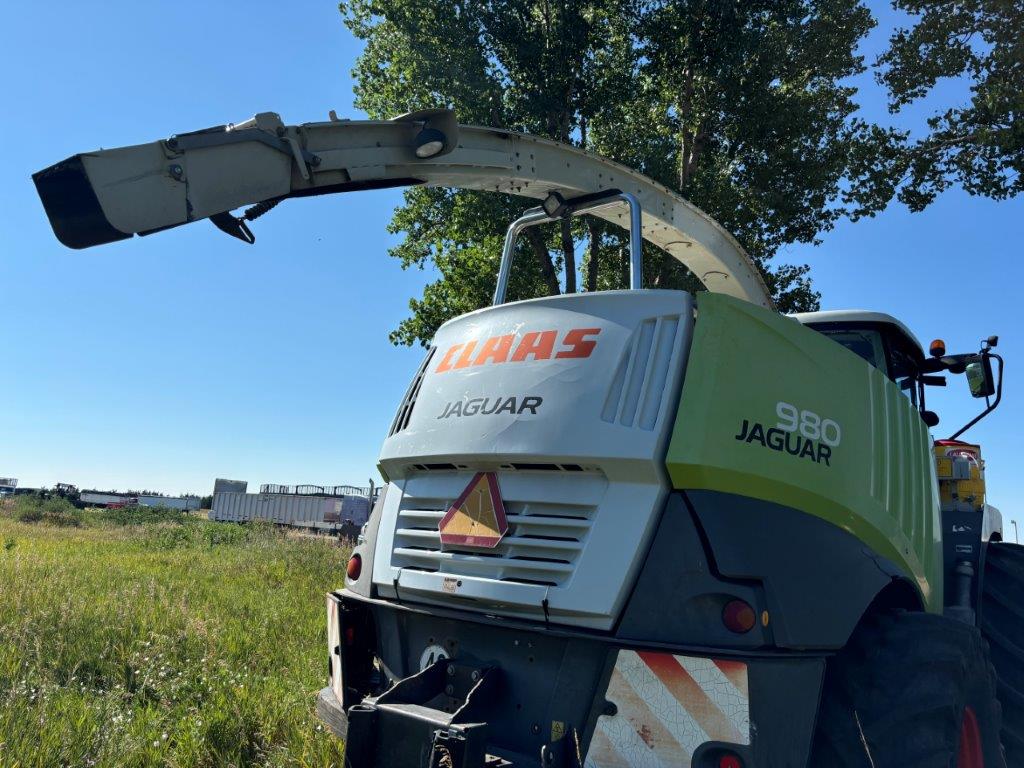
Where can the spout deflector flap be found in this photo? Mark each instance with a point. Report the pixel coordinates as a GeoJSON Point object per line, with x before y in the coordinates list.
{"type": "Point", "coordinates": [71, 205]}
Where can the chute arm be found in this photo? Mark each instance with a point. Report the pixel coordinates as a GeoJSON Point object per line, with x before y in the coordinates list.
{"type": "Point", "coordinates": [99, 197]}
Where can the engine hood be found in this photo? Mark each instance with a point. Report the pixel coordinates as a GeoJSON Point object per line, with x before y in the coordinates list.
{"type": "Point", "coordinates": [565, 404]}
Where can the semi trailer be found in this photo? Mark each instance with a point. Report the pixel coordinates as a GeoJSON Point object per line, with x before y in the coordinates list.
{"type": "Point", "coordinates": [632, 527]}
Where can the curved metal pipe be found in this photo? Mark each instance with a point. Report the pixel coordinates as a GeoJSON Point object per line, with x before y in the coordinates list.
{"type": "Point", "coordinates": [636, 242]}
{"type": "Point", "coordinates": [531, 218]}
{"type": "Point", "coordinates": [108, 195]}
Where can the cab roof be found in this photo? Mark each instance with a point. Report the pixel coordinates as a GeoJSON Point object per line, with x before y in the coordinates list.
{"type": "Point", "coordinates": [857, 316]}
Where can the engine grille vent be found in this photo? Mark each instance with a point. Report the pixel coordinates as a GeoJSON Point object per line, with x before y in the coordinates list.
{"type": "Point", "coordinates": [635, 396]}
{"type": "Point", "coordinates": [543, 544]}
{"type": "Point", "coordinates": [409, 401]}
{"type": "Point", "coordinates": [517, 466]}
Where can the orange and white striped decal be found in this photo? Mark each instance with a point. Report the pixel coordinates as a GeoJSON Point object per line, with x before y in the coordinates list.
{"type": "Point", "coordinates": [667, 706]}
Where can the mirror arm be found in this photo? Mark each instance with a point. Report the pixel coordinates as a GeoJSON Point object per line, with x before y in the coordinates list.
{"type": "Point", "coordinates": [990, 408]}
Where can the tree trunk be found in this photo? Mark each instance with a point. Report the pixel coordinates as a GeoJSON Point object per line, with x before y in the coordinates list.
{"type": "Point", "coordinates": [686, 137]}
{"type": "Point", "coordinates": [569, 251]}
{"type": "Point", "coordinates": [691, 142]}
{"type": "Point", "coordinates": [547, 269]}
{"type": "Point", "coordinates": [699, 142]}
{"type": "Point", "coordinates": [595, 243]}
{"type": "Point", "coordinates": [664, 271]}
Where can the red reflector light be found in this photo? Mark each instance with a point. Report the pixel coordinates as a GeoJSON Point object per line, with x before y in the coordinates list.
{"type": "Point", "coordinates": [350, 635]}
{"type": "Point", "coordinates": [355, 567]}
{"type": "Point", "coordinates": [729, 760]}
{"type": "Point", "coordinates": [738, 617]}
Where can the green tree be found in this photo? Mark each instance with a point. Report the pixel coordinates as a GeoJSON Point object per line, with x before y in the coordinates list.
{"type": "Point", "coordinates": [979, 143]}
{"type": "Point", "coordinates": [740, 107]}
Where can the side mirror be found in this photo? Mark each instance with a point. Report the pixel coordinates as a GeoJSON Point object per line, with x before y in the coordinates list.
{"type": "Point", "coordinates": [930, 418]}
{"type": "Point", "coordinates": [979, 377]}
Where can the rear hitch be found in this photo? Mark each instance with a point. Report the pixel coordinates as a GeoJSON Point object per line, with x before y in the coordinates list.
{"type": "Point", "coordinates": [436, 718]}
{"type": "Point", "coordinates": [456, 748]}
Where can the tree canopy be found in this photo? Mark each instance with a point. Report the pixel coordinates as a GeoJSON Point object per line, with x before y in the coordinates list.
{"type": "Point", "coordinates": [978, 144]}
{"type": "Point", "coordinates": [744, 108]}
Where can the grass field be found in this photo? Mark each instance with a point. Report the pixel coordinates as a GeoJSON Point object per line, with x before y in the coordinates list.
{"type": "Point", "coordinates": [142, 641]}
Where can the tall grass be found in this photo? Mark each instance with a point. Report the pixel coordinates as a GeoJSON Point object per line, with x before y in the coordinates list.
{"type": "Point", "coordinates": [54, 511]}
{"type": "Point", "coordinates": [128, 642]}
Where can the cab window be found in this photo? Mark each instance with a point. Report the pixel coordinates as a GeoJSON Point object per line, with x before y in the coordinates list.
{"type": "Point", "coordinates": [865, 343]}
{"type": "Point", "coordinates": [904, 371]}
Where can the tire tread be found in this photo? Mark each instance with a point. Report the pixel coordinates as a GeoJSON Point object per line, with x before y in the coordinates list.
{"type": "Point", "coordinates": [1001, 619]}
{"type": "Point", "coordinates": [905, 679]}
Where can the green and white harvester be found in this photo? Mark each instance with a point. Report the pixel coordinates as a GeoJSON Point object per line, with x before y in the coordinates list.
{"type": "Point", "coordinates": [633, 527]}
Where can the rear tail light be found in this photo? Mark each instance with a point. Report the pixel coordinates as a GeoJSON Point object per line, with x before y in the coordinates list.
{"type": "Point", "coordinates": [729, 760]}
{"type": "Point", "coordinates": [738, 617]}
{"type": "Point", "coordinates": [355, 567]}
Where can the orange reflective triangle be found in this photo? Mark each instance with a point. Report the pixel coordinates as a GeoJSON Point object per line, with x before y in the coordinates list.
{"type": "Point", "coordinates": [477, 518]}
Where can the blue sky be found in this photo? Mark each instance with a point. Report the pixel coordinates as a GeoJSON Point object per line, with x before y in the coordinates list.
{"type": "Point", "coordinates": [167, 361]}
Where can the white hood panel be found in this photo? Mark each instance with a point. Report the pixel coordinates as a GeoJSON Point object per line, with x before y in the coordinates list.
{"type": "Point", "coordinates": [570, 401]}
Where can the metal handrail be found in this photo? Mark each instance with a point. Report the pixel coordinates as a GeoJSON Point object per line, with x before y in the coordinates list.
{"type": "Point", "coordinates": [582, 204]}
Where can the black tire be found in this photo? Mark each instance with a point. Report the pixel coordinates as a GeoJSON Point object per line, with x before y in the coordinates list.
{"type": "Point", "coordinates": [896, 695]}
{"type": "Point", "coordinates": [1001, 618]}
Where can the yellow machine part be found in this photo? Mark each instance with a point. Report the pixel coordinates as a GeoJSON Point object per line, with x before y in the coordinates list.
{"type": "Point", "coordinates": [961, 474]}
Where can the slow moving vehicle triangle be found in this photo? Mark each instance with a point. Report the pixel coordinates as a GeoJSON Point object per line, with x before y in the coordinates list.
{"type": "Point", "coordinates": [477, 518]}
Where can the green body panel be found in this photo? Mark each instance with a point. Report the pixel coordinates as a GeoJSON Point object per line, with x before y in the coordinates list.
{"type": "Point", "coordinates": [876, 479]}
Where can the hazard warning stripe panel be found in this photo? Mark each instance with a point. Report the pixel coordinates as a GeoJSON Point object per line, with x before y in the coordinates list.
{"type": "Point", "coordinates": [666, 707]}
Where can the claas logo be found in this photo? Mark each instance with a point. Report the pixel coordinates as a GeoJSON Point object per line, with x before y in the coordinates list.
{"type": "Point", "coordinates": [535, 345]}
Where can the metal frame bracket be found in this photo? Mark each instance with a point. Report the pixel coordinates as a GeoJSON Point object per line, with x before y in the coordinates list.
{"type": "Point", "coordinates": [555, 208]}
